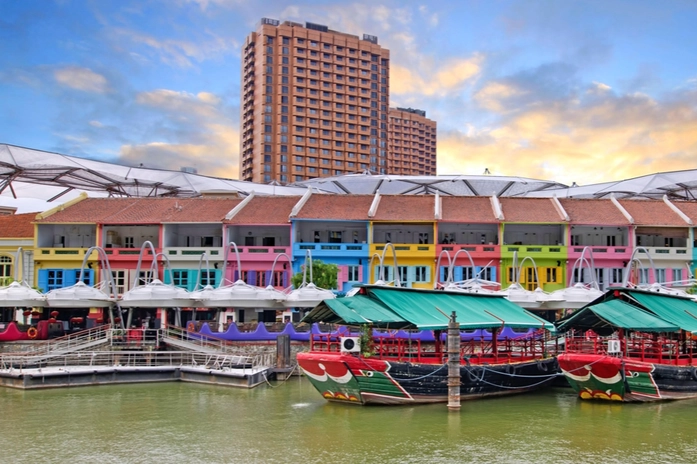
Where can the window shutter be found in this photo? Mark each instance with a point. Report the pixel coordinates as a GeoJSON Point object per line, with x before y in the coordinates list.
{"type": "Point", "coordinates": [285, 279]}
{"type": "Point", "coordinates": [428, 273]}
{"type": "Point", "coordinates": [343, 274]}
{"type": "Point", "coordinates": [269, 278]}
{"type": "Point", "coordinates": [411, 275]}
{"type": "Point", "coordinates": [252, 277]}
{"type": "Point", "coordinates": [43, 280]}
{"type": "Point", "coordinates": [70, 277]}
{"type": "Point", "coordinates": [360, 273]}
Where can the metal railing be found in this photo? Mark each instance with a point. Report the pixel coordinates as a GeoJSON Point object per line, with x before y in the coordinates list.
{"type": "Point", "coordinates": [134, 359]}
{"type": "Point", "coordinates": [196, 340]}
{"type": "Point", "coordinates": [71, 342]}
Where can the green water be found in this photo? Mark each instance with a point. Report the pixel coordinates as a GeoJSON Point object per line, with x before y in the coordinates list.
{"type": "Point", "coordinates": [179, 422]}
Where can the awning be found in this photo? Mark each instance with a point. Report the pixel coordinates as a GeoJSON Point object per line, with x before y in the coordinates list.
{"type": "Point", "coordinates": [679, 311]}
{"type": "Point", "coordinates": [355, 310]}
{"type": "Point", "coordinates": [394, 307]}
{"type": "Point", "coordinates": [431, 309]}
{"type": "Point", "coordinates": [616, 314]}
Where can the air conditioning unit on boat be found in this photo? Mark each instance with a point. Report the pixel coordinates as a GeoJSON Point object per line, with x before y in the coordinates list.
{"type": "Point", "coordinates": [613, 347]}
{"type": "Point", "coordinates": [350, 344]}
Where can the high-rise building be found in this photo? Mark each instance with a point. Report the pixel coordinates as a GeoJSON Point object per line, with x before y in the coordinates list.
{"type": "Point", "coordinates": [314, 103]}
{"type": "Point", "coordinates": [412, 143]}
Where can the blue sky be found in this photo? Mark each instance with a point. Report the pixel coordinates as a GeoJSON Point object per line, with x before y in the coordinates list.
{"type": "Point", "coordinates": [572, 91]}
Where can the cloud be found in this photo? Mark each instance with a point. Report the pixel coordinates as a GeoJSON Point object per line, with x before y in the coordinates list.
{"type": "Point", "coordinates": [177, 52]}
{"type": "Point", "coordinates": [194, 130]}
{"type": "Point", "coordinates": [82, 79]}
{"type": "Point", "coordinates": [597, 137]}
{"type": "Point", "coordinates": [438, 81]}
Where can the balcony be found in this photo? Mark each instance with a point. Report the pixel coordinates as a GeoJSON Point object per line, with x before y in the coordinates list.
{"type": "Point", "coordinates": [476, 251]}
{"type": "Point", "coordinates": [259, 253]}
{"type": "Point", "coordinates": [602, 252]}
{"type": "Point", "coordinates": [406, 250]}
{"type": "Point", "coordinates": [670, 253]}
{"type": "Point", "coordinates": [320, 250]}
{"type": "Point", "coordinates": [556, 251]}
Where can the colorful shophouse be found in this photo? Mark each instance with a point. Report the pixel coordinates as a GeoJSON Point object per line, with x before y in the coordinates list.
{"type": "Point", "coordinates": [260, 229]}
{"type": "Point", "coordinates": [333, 229]}
{"type": "Point", "coordinates": [600, 236]}
{"type": "Point", "coordinates": [468, 234]}
{"type": "Point", "coordinates": [663, 239]}
{"type": "Point", "coordinates": [533, 232]}
{"type": "Point", "coordinates": [404, 226]}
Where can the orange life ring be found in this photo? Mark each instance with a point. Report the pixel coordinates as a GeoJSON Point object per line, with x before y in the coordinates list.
{"type": "Point", "coordinates": [32, 333]}
{"type": "Point", "coordinates": [191, 327]}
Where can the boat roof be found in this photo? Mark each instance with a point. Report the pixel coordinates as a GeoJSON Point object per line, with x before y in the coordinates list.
{"type": "Point", "coordinates": [406, 308]}
{"type": "Point", "coordinates": [634, 309]}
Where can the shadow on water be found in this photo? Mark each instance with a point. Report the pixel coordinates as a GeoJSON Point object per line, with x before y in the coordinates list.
{"type": "Point", "coordinates": [290, 422]}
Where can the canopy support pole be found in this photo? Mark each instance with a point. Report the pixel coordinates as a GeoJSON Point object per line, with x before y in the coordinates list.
{"type": "Point", "coordinates": [453, 363]}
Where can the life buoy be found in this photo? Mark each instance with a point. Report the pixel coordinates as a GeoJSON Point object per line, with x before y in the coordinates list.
{"type": "Point", "coordinates": [32, 333]}
{"type": "Point", "coordinates": [694, 373]}
{"type": "Point", "coordinates": [191, 327]}
{"type": "Point", "coordinates": [542, 366]}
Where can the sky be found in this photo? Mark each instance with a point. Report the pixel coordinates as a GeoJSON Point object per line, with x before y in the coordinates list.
{"type": "Point", "coordinates": [561, 90]}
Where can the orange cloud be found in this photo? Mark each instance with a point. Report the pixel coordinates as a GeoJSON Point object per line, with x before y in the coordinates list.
{"type": "Point", "coordinates": [587, 142]}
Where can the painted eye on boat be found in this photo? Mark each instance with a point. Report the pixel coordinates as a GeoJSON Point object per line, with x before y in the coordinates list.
{"type": "Point", "coordinates": [368, 373]}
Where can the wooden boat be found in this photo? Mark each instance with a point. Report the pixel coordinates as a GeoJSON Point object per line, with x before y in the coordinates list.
{"type": "Point", "coordinates": [393, 368]}
{"type": "Point", "coordinates": [632, 346]}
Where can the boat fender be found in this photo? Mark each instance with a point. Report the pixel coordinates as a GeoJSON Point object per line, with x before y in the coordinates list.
{"type": "Point", "coordinates": [508, 369]}
{"type": "Point", "coordinates": [694, 373]}
{"type": "Point", "coordinates": [542, 366]}
{"type": "Point", "coordinates": [472, 376]}
{"type": "Point", "coordinates": [32, 333]}
{"type": "Point", "coordinates": [190, 326]}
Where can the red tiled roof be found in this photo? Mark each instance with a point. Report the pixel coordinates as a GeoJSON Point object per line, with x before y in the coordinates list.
{"type": "Point", "coordinates": [17, 225]}
{"type": "Point", "coordinates": [406, 208]}
{"type": "Point", "coordinates": [600, 212]}
{"type": "Point", "coordinates": [144, 210]}
{"type": "Point", "coordinates": [468, 209]}
{"type": "Point", "coordinates": [265, 210]}
{"type": "Point", "coordinates": [652, 213]}
{"type": "Point", "coordinates": [529, 210]}
{"type": "Point", "coordinates": [689, 208]}
{"type": "Point", "coordinates": [337, 207]}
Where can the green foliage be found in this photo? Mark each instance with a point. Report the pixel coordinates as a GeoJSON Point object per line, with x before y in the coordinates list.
{"type": "Point", "coordinates": [5, 281]}
{"type": "Point", "coordinates": [324, 275]}
{"type": "Point", "coordinates": [366, 340]}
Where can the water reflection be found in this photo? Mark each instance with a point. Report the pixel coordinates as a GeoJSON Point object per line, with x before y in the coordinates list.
{"type": "Point", "coordinates": [177, 422]}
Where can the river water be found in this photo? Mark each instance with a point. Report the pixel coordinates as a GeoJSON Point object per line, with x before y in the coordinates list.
{"type": "Point", "coordinates": [290, 422]}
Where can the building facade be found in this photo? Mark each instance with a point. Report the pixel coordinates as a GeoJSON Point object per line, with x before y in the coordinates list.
{"type": "Point", "coordinates": [424, 241]}
{"type": "Point", "coordinates": [411, 143]}
{"type": "Point", "coordinates": [315, 103]}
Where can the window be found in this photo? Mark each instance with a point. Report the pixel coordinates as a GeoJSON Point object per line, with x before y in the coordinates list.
{"type": "Point", "coordinates": [55, 279]}
{"type": "Point", "coordinates": [180, 278]}
{"type": "Point", "coordinates": [119, 281]}
{"type": "Point", "coordinates": [617, 276]}
{"type": "Point", "coordinates": [403, 274]}
{"type": "Point", "coordinates": [420, 274]}
{"type": "Point", "coordinates": [352, 273]}
{"type": "Point", "coordinates": [5, 266]}
{"type": "Point", "coordinates": [207, 278]}
{"type": "Point", "coordinates": [660, 276]}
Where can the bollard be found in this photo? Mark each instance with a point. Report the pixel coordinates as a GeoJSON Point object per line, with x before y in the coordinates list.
{"type": "Point", "coordinates": [283, 351]}
{"type": "Point", "coordinates": [453, 364]}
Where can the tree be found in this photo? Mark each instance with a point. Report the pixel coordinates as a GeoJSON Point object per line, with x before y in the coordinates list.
{"type": "Point", "coordinates": [324, 275]}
